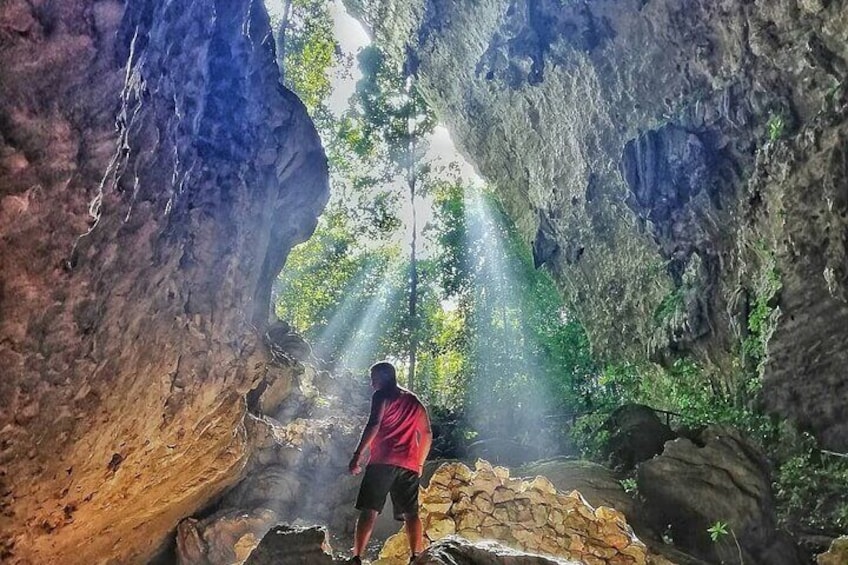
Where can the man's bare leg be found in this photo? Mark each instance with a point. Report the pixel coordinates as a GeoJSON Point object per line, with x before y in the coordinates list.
{"type": "Point", "coordinates": [414, 532]}
{"type": "Point", "coordinates": [364, 527]}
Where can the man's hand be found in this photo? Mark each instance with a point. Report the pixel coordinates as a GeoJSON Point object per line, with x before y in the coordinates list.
{"type": "Point", "coordinates": [354, 466]}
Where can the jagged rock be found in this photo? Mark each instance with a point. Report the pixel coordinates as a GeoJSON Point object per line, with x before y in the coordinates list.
{"type": "Point", "coordinates": [154, 175]}
{"type": "Point", "coordinates": [837, 554]}
{"type": "Point", "coordinates": [285, 343]}
{"type": "Point", "coordinates": [635, 434]}
{"type": "Point", "coordinates": [223, 538]}
{"type": "Point", "coordinates": [453, 551]}
{"type": "Point", "coordinates": [529, 515]}
{"type": "Point", "coordinates": [600, 487]}
{"type": "Point", "coordinates": [292, 463]}
{"type": "Point", "coordinates": [597, 484]}
{"type": "Point", "coordinates": [286, 545]}
{"type": "Point", "coordinates": [268, 395]}
{"type": "Point", "coordinates": [721, 478]}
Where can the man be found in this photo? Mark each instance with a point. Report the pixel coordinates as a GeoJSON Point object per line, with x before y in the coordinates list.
{"type": "Point", "coordinates": [399, 436]}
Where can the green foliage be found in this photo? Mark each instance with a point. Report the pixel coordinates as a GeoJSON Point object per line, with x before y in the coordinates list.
{"type": "Point", "coordinates": [763, 315]}
{"type": "Point", "coordinates": [718, 530]}
{"type": "Point", "coordinates": [523, 356]}
{"type": "Point", "coordinates": [775, 127]}
{"type": "Point", "coordinates": [588, 434]}
{"type": "Point", "coordinates": [810, 489]}
{"type": "Point", "coordinates": [310, 51]}
{"type": "Point", "coordinates": [629, 485]}
{"type": "Point", "coordinates": [670, 305]}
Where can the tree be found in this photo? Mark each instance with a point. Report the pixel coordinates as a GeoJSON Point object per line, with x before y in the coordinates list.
{"type": "Point", "coordinates": [394, 112]}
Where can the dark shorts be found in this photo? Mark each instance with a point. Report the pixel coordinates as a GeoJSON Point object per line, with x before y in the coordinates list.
{"type": "Point", "coordinates": [380, 480]}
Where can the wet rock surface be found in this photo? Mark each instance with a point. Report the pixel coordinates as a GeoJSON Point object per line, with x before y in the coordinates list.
{"type": "Point", "coordinates": [153, 177]}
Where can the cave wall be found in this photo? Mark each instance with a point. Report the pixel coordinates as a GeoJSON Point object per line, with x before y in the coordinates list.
{"type": "Point", "coordinates": [153, 177]}
{"type": "Point", "coordinates": [666, 159]}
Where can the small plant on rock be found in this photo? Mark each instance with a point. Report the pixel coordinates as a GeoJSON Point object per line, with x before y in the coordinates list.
{"type": "Point", "coordinates": [775, 127]}
{"type": "Point", "coordinates": [719, 530]}
{"type": "Point", "coordinates": [629, 485]}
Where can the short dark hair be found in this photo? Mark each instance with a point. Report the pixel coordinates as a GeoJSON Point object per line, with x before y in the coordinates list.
{"type": "Point", "coordinates": [385, 373]}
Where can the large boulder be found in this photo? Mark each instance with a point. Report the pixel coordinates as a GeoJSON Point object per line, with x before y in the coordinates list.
{"type": "Point", "coordinates": [601, 487]}
{"type": "Point", "coordinates": [223, 538]}
{"type": "Point", "coordinates": [718, 477]}
{"type": "Point", "coordinates": [286, 545]}
{"type": "Point", "coordinates": [635, 434]}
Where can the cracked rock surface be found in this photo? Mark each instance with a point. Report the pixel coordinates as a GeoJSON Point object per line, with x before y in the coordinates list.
{"type": "Point", "coordinates": [153, 177]}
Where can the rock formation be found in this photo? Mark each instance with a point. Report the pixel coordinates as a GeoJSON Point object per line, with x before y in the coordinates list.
{"type": "Point", "coordinates": [679, 166]}
{"type": "Point", "coordinates": [635, 434]}
{"type": "Point", "coordinates": [456, 550]}
{"type": "Point", "coordinates": [530, 515]}
{"type": "Point", "coordinates": [153, 177]}
{"type": "Point", "coordinates": [718, 477]}
{"type": "Point", "coordinates": [293, 546]}
{"type": "Point", "coordinates": [836, 554]}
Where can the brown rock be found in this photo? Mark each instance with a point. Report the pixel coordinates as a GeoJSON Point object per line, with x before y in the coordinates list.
{"type": "Point", "coordinates": [154, 177]}
{"type": "Point", "coordinates": [837, 554]}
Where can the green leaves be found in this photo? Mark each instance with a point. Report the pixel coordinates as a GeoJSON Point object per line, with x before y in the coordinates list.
{"type": "Point", "coordinates": [718, 530]}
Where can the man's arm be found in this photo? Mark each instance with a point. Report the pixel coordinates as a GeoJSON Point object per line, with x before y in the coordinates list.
{"type": "Point", "coordinates": [378, 406]}
{"type": "Point", "coordinates": [426, 441]}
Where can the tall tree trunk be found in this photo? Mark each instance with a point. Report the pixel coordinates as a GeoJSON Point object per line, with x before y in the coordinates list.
{"type": "Point", "coordinates": [413, 268]}
{"type": "Point", "coordinates": [280, 39]}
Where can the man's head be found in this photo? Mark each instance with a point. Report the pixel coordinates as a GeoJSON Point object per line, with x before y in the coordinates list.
{"type": "Point", "coordinates": [383, 375]}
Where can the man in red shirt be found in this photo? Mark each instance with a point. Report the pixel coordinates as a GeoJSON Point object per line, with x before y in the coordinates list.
{"type": "Point", "coordinates": [399, 436]}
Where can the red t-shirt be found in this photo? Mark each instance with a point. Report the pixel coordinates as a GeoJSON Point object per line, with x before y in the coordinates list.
{"type": "Point", "coordinates": [399, 437]}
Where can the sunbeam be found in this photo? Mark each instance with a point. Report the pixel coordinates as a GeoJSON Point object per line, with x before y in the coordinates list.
{"type": "Point", "coordinates": [514, 399]}
{"type": "Point", "coordinates": [363, 342]}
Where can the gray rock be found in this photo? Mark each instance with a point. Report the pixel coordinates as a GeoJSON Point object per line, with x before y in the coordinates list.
{"type": "Point", "coordinates": [635, 434]}
{"type": "Point", "coordinates": [721, 478]}
{"type": "Point", "coordinates": [286, 545]}
{"type": "Point", "coordinates": [458, 551]}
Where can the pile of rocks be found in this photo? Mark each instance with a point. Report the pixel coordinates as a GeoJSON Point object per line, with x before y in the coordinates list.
{"type": "Point", "coordinates": [530, 515]}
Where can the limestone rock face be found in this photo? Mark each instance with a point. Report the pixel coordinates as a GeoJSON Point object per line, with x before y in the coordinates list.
{"type": "Point", "coordinates": [719, 477]}
{"type": "Point", "coordinates": [153, 177]}
{"type": "Point", "coordinates": [666, 159]}
{"type": "Point", "coordinates": [299, 446]}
